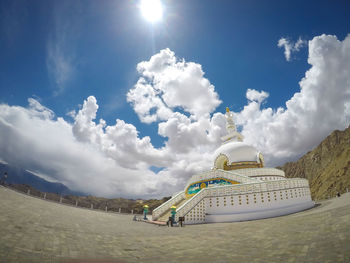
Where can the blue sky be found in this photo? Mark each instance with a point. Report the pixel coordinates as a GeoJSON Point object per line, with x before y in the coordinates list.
{"type": "Point", "coordinates": [61, 52]}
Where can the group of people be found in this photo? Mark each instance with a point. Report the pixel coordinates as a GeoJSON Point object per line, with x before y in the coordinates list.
{"type": "Point", "coordinates": [171, 221]}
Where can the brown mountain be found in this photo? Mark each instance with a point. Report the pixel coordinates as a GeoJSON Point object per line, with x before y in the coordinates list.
{"type": "Point", "coordinates": [327, 167]}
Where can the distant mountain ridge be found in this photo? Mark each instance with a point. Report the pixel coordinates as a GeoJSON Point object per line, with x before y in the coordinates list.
{"type": "Point", "coordinates": [16, 175]}
{"type": "Point", "coordinates": [327, 167]}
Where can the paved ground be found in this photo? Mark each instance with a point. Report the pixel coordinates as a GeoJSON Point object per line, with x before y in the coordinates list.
{"type": "Point", "coordinates": [34, 230]}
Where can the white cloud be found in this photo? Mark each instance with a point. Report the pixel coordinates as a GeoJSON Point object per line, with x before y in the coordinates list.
{"type": "Point", "coordinates": [321, 106]}
{"type": "Point", "coordinates": [254, 95]}
{"type": "Point", "coordinates": [60, 65]}
{"type": "Point", "coordinates": [72, 114]}
{"type": "Point", "coordinates": [147, 103]}
{"type": "Point", "coordinates": [290, 47]}
{"type": "Point", "coordinates": [299, 44]}
{"type": "Point", "coordinates": [119, 142]}
{"type": "Point", "coordinates": [167, 83]}
{"type": "Point", "coordinates": [39, 110]}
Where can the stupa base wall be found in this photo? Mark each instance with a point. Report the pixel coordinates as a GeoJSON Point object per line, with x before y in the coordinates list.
{"type": "Point", "coordinates": [253, 215]}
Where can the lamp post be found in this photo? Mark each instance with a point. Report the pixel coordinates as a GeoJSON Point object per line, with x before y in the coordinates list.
{"type": "Point", "coordinates": [145, 211]}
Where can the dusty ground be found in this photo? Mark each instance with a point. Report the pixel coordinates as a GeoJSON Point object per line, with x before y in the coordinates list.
{"type": "Point", "coordinates": [34, 230]}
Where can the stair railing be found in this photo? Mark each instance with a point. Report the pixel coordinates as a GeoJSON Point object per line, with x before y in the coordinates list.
{"type": "Point", "coordinates": [166, 206]}
{"type": "Point", "coordinates": [191, 203]}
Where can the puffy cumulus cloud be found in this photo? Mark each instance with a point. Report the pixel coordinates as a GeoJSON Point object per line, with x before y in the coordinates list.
{"type": "Point", "coordinates": [120, 142]}
{"type": "Point", "coordinates": [37, 141]}
{"type": "Point", "coordinates": [321, 106]}
{"type": "Point", "coordinates": [188, 136]}
{"type": "Point", "coordinates": [147, 103]}
{"type": "Point", "coordinates": [254, 95]}
{"type": "Point", "coordinates": [85, 128]}
{"type": "Point", "coordinates": [290, 46]}
{"type": "Point", "coordinates": [167, 83]}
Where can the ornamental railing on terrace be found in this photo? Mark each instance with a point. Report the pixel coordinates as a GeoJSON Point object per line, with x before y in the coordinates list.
{"type": "Point", "coordinates": [221, 173]}
{"type": "Point", "coordinates": [260, 172]}
{"type": "Point", "coordinates": [166, 206]}
{"type": "Point", "coordinates": [239, 189]}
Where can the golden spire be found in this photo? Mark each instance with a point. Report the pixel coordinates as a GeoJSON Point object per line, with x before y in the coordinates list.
{"type": "Point", "coordinates": [227, 109]}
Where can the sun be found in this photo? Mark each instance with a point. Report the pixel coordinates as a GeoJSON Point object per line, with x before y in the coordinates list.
{"type": "Point", "coordinates": [152, 10]}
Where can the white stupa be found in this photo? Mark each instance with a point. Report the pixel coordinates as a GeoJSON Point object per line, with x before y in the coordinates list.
{"type": "Point", "coordinates": [238, 188]}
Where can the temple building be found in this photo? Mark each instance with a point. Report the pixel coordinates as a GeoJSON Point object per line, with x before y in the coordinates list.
{"type": "Point", "coordinates": [239, 187]}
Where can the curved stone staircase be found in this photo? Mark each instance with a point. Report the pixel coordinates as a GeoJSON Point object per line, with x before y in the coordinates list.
{"type": "Point", "coordinates": [165, 216]}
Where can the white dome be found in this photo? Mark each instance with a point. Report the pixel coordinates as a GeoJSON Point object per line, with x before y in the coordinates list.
{"type": "Point", "coordinates": [237, 152]}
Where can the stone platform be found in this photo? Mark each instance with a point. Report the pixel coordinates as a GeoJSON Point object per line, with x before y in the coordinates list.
{"type": "Point", "coordinates": [34, 230]}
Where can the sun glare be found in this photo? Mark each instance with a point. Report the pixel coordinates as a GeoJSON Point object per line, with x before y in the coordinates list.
{"type": "Point", "coordinates": [152, 10]}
